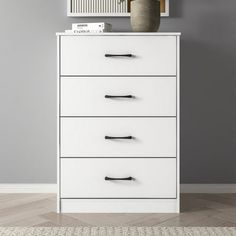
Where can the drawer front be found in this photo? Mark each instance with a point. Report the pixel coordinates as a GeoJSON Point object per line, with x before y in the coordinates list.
{"type": "Point", "coordinates": [85, 178]}
{"type": "Point", "coordinates": [87, 96]}
{"type": "Point", "coordinates": [144, 137]}
{"type": "Point", "coordinates": [86, 55]}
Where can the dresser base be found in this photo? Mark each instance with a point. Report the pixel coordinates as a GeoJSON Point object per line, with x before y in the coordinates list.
{"type": "Point", "coordinates": [119, 206]}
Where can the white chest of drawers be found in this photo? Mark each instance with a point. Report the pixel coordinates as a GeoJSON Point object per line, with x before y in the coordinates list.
{"type": "Point", "coordinates": [118, 123]}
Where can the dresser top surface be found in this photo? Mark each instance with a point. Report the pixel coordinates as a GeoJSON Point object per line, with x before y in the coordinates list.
{"type": "Point", "coordinates": [122, 34]}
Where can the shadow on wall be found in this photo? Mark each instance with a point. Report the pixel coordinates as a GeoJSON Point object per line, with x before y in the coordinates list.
{"type": "Point", "coordinates": [208, 113]}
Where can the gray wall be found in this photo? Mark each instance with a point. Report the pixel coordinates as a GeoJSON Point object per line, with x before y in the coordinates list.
{"type": "Point", "coordinates": [28, 87]}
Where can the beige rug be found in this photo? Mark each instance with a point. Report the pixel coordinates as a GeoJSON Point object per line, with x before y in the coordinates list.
{"type": "Point", "coordinates": [118, 231]}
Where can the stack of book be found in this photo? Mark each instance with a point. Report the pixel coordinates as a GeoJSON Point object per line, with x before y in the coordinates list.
{"type": "Point", "coordinates": [90, 28]}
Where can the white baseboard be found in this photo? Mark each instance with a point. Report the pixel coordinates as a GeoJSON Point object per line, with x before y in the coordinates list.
{"type": "Point", "coordinates": [52, 188]}
{"type": "Point", "coordinates": [28, 188]}
{"type": "Point", "coordinates": [208, 188]}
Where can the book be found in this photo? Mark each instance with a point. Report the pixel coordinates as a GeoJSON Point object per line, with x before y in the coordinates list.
{"type": "Point", "coordinates": [84, 31]}
{"type": "Point", "coordinates": [92, 26]}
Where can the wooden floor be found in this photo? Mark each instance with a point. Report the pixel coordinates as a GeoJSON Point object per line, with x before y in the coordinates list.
{"type": "Point", "coordinates": [40, 210]}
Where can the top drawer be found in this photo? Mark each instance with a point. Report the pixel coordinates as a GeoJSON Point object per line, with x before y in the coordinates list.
{"type": "Point", "coordinates": [118, 55]}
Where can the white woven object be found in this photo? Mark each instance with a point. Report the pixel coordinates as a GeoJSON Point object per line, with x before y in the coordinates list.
{"type": "Point", "coordinates": [118, 231]}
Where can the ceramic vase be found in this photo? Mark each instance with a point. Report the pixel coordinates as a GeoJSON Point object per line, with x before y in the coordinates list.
{"type": "Point", "coordinates": [145, 15]}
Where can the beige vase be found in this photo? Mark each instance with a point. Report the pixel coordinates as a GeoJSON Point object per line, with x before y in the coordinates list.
{"type": "Point", "coordinates": [145, 15]}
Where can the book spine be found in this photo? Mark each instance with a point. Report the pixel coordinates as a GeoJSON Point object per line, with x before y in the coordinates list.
{"type": "Point", "coordinates": [81, 6]}
{"type": "Point", "coordinates": [85, 6]}
{"type": "Point", "coordinates": [73, 6]}
{"type": "Point", "coordinates": [102, 25]}
{"type": "Point", "coordinates": [102, 8]}
{"type": "Point", "coordinates": [107, 6]}
{"type": "Point", "coordinates": [93, 28]}
{"type": "Point", "coordinates": [126, 5]}
{"type": "Point", "coordinates": [117, 5]}
{"type": "Point", "coordinates": [92, 6]}
{"type": "Point", "coordinates": [86, 31]}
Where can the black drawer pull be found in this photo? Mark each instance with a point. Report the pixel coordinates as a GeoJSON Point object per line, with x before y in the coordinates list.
{"type": "Point", "coordinates": [125, 137]}
{"type": "Point", "coordinates": [119, 96]}
{"type": "Point", "coordinates": [118, 55]}
{"type": "Point", "coordinates": [126, 179]}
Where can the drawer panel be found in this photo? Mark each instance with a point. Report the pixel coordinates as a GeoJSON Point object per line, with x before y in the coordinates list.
{"type": "Point", "coordinates": [85, 137]}
{"type": "Point", "coordinates": [85, 178]}
{"type": "Point", "coordinates": [85, 55]}
{"type": "Point", "coordinates": [150, 96]}
{"type": "Point", "coordinates": [113, 205]}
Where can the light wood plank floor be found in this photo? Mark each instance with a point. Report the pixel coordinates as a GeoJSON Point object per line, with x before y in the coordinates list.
{"type": "Point", "coordinates": [40, 210]}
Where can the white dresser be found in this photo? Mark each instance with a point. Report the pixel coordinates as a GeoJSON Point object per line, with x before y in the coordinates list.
{"type": "Point", "coordinates": [118, 122]}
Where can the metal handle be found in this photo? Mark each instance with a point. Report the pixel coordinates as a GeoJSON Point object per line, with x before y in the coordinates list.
{"type": "Point", "coordinates": [118, 55]}
{"type": "Point", "coordinates": [112, 137]}
{"type": "Point", "coordinates": [119, 96]}
{"type": "Point", "coordinates": [126, 179]}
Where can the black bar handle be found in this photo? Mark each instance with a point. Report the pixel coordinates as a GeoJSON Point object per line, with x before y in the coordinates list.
{"type": "Point", "coordinates": [119, 96]}
{"type": "Point", "coordinates": [125, 137]}
{"type": "Point", "coordinates": [118, 55]}
{"type": "Point", "coordinates": [126, 179]}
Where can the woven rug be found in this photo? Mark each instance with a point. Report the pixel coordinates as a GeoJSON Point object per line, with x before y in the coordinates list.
{"type": "Point", "coordinates": [118, 231]}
